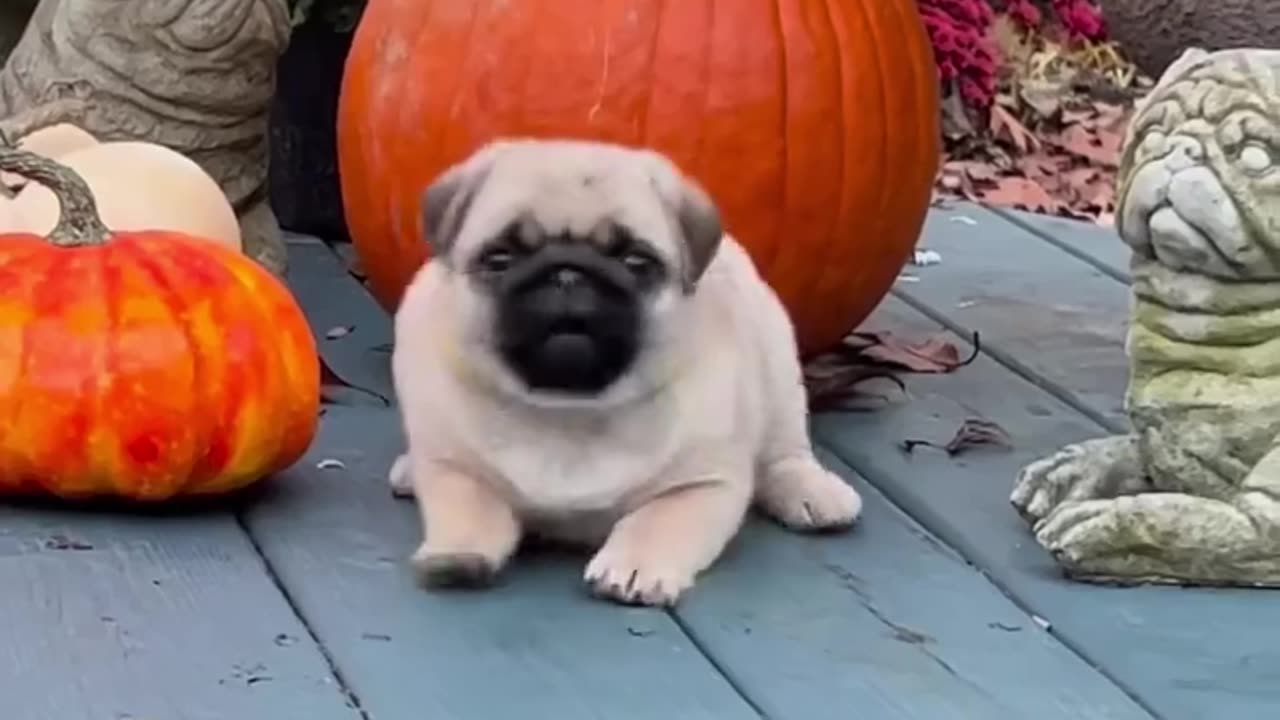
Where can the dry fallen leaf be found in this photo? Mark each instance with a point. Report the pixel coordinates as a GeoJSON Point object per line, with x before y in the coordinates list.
{"type": "Point", "coordinates": [1078, 115]}
{"type": "Point", "coordinates": [968, 178]}
{"type": "Point", "coordinates": [837, 379]}
{"type": "Point", "coordinates": [1005, 126]}
{"type": "Point", "coordinates": [934, 354]}
{"type": "Point", "coordinates": [1101, 147]}
{"type": "Point", "coordinates": [976, 171]}
{"type": "Point", "coordinates": [849, 390]}
{"type": "Point", "coordinates": [973, 433]}
{"type": "Point", "coordinates": [1111, 116]}
{"type": "Point", "coordinates": [1023, 194]}
{"type": "Point", "coordinates": [955, 120]}
{"type": "Point", "coordinates": [1045, 98]}
{"type": "Point", "coordinates": [956, 182]}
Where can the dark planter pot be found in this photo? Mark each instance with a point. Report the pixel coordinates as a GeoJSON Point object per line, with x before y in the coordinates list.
{"type": "Point", "coordinates": [1153, 33]}
{"type": "Point", "coordinates": [14, 15]}
{"type": "Point", "coordinates": [305, 192]}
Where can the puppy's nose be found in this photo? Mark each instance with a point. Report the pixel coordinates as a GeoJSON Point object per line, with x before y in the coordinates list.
{"type": "Point", "coordinates": [567, 278]}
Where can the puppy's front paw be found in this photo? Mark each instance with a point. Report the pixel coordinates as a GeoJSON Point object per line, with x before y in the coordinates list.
{"type": "Point", "coordinates": [436, 569]}
{"type": "Point", "coordinates": [803, 495]}
{"type": "Point", "coordinates": [400, 478]}
{"type": "Point", "coordinates": [630, 575]}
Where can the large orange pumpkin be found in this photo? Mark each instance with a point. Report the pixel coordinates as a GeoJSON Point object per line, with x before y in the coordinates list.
{"type": "Point", "coordinates": [814, 123]}
{"type": "Point", "coordinates": [143, 365]}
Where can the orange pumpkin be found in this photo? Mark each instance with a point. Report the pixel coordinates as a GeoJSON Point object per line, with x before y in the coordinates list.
{"type": "Point", "coordinates": [814, 123]}
{"type": "Point", "coordinates": [143, 365]}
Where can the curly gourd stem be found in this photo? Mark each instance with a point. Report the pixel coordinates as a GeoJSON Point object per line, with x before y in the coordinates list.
{"type": "Point", "coordinates": [79, 223]}
{"type": "Point", "coordinates": [46, 114]}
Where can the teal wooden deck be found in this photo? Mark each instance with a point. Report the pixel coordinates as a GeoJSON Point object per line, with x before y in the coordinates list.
{"type": "Point", "coordinates": [297, 603]}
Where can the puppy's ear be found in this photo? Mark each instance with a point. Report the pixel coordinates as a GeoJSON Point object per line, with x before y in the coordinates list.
{"type": "Point", "coordinates": [447, 199]}
{"type": "Point", "coordinates": [700, 224]}
{"type": "Point", "coordinates": [696, 216]}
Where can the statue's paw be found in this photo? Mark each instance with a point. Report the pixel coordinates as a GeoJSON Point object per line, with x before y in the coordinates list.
{"type": "Point", "coordinates": [1079, 532]}
{"type": "Point", "coordinates": [1043, 484]}
{"type": "Point", "coordinates": [1089, 470]}
{"type": "Point", "coordinates": [1164, 537]}
{"type": "Point", "coordinates": [1040, 484]}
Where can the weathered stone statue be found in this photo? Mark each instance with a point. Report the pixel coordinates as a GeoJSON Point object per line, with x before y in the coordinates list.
{"type": "Point", "coordinates": [1192, 494]}
{"type": "Point", "coordinates": [194, 75]}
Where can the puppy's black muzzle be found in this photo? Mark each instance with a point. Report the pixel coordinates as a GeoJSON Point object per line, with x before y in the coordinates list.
{"type": "Point", "coordinates": [569, 319]}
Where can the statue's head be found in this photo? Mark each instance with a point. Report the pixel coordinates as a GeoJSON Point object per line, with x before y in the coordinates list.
{"type": "Point", "coordinates": [1199, 185]}
{"type": "Point", "coordinates": [194, 51]}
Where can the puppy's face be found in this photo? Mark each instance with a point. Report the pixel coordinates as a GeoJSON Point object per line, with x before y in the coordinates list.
{"type": "Point", "coordinates": [569, 263]}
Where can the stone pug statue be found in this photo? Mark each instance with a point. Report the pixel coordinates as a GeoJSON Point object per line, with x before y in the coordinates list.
{"type": "Point", "coordinates": [194, 75]}
{"type": "Point", "coordinates": [1192, 494]}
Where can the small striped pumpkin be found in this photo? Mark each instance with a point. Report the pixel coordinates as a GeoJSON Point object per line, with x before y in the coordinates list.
{"type": "Point", "coordinates": [143, 365]}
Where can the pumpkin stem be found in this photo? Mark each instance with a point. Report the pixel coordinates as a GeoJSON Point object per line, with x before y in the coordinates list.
{"type": "Point", "coordinates": [79, 223]}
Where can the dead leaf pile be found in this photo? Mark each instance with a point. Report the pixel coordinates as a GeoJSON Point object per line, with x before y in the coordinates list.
{"type": "Point", "coordinates": [1051, 141]}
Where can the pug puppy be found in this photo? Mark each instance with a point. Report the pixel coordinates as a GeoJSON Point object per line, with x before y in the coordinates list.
{"type": "Point", "coordinates": [587, 357]}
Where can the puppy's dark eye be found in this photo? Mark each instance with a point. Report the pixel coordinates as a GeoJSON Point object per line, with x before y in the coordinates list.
{"type": "Point", "coordinates": [496, 260]}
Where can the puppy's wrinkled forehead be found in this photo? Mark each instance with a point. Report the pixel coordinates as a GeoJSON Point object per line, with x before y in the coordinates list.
{"type": "Point", "coordinates": [571, 190]}
{"type": "Point", "coordinates": [554, 190]}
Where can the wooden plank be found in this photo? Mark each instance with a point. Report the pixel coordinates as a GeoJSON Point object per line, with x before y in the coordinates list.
{"type": "Point", "coordinates": [1186, 654]}
{"type": "Point", "coordinates": [1095, 244]}
{"type": "Point", "coordinates": [539, 646]}
{"type": "Point", "coordinates": [353, 332]}
{"type": "Point", "coordinates": [110, 616]}
{"type": "Point", "coordinates": [883, 623]}
{"type": "Point", "coordinates": [1042, 312]}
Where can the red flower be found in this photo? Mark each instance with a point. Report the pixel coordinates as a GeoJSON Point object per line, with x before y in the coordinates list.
{"type": "Point", "coordinates": [959, 31]}
{"type": "Point", "coordinates": [1080, 18]}
{"type": "Point", "coordinates": [1024, 13]}
{"type": "Point", "coordinates": [965, 55]}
